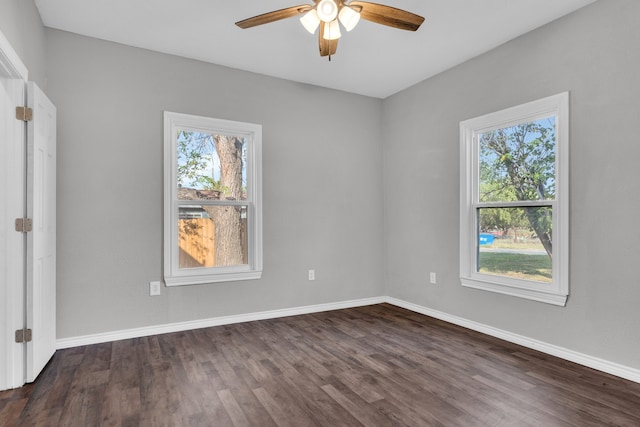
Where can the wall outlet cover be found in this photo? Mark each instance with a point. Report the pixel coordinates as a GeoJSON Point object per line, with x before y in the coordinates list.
{"type": "Point", "coordinates": [154, 288]}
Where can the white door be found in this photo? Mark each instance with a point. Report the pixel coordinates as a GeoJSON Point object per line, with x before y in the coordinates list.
{"type": "Point", "coordinates": [13, 75]}
{"type": "Point", "coordinates": [41, 242]}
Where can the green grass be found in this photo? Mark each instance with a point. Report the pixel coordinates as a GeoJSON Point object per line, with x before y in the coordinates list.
{"type": "Point", "coordinates": [510, 244]}
{"type": "Point", "coordinates": [521, 266]}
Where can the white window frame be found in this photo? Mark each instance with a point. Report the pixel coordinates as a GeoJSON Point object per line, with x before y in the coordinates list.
{"type": "Point", "coordinates": [174, 276]}
{"type": "Point", "coordinates": [557, 291]}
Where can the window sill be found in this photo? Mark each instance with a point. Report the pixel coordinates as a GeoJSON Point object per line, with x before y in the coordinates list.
{"type": "Point", "coordinates": [212, 278]}
{"type": "Point", "coordinates": [531, 294]}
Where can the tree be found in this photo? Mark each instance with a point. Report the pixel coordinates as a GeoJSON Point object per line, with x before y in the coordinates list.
{"type": "Point", "coordinates": [201, 159]}
{"type": "Point", "coordinates": [517, 163]}
{"type": "Point", "coordinates": [228, 231]}
{"type": "Point", "coordinates": [501, 219]}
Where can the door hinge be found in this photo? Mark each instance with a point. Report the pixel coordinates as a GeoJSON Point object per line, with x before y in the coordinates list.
{"type": "Point", "coordinates": [24, 114]}
{"type": "Point", "coordinates": [24, 225]}
{"type": "Point", "coordinates": [23, 335]}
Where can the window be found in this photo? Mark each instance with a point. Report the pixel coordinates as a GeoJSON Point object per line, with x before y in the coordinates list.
{"type": "Point", "coordinates": [212, 200]}
{"type": "Point", "coordinates": [514, 201]}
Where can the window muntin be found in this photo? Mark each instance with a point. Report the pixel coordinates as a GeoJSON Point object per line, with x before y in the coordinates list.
{"type": "Point", "coordinates": [514, 217]}
{"type": "Point", "coordinates": [212, 200]}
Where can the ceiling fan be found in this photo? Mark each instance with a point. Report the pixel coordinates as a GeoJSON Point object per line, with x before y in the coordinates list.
{"type": "Point", "coordinates": [326, 14]}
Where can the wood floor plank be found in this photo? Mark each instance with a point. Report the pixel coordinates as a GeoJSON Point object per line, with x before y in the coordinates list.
{"type": "Point", "coordinates": [364, 413]}
{"type": "Point", "coordinates": [281, 407]}
{"type": "Point", "coordinates": [378, 365]}
{"type": "Point", "coordinates": [233, 409]}
{"type": "Point", "coordinates": [317, 404]}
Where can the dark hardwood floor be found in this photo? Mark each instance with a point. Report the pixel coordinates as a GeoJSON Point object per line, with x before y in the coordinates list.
{"type": "Point", "coordinates": [374, 366]}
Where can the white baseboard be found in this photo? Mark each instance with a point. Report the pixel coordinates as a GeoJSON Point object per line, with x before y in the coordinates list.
{"type": "Point", "coordinates": [206, 323]}
{"type": "Point", "coordinates": [563, 353]}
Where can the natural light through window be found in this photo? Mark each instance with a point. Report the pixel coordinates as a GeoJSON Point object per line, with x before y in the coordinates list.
{"type": "Point", "coordinates": [211, 167]}
{"type": "Point", "coordinates": [514, 201]}
{"type": "Point", "coordinates": [212, 200]}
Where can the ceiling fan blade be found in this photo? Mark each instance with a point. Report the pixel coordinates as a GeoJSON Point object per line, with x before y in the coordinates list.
{"type": "Point", "coordinates": [276, 15]}
{"type": "Point", "coordinates": [327, 47]}
{"type": "Point", "coordinates": [387, 15]}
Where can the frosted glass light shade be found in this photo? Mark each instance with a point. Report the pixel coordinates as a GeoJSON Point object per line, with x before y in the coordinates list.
{"type": "Point", "coordinates": [310, 21]}
{"type": "Point", "coordinates": [349, 18]}
{"type": "Point", "coordinates": [332, 30]}
{"type": "Point", "coordinates": [327, 10]}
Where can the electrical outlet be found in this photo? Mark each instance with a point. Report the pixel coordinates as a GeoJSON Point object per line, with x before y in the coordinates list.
{"type": "Point", "coordinates": [432, 278]}
{"type": "Point", "coordinates": [154, 288]}
{"type": "Point", "coordinates": [312, 275]}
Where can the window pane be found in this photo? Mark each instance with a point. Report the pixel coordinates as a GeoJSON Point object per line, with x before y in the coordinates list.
{"type": "Point", "coordinates": [211, 166]}
{"type": "Point", "coordinates": [518, 162]}
{"type": "Point", "coordinates": [212, 236]}
{"type": "Point", "coordinates": [515, 242]}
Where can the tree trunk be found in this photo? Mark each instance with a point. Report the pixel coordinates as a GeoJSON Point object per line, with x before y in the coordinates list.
{"type": "Point", "coordinates": [535, 215]}
{"type": "Point", "coordinates": [228, 236]}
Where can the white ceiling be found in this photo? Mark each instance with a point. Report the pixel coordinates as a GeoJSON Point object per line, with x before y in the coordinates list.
{"type": "Point", "coordinates": [371, 60]}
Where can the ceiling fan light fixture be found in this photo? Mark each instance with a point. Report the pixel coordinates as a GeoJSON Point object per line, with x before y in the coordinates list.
{"type": "Point", "coordinates": [349, 18]}
{"type": "Point", "coordinates": [327, 10]}
{"type": "Point", "coordinates": [310, 21]}
{"type": "Point", "coordinates": [332, 30]}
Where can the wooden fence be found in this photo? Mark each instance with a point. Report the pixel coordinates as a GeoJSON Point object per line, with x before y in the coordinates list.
{"type": "Point", "coordinates": [196, 241]}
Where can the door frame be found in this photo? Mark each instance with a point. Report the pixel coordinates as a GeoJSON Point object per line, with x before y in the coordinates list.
{"type": "Point", "coordinates": [12, 279]}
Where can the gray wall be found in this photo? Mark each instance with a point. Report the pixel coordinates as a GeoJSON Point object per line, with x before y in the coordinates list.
{"type": "Point", "coordinates": [593, 53]}
{"type": "Point", "coordinates": [321, 171]}
{"type": "Point", "coordinates": [21, 24]}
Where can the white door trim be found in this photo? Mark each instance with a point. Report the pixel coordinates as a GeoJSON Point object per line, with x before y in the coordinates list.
{"type": "Point", "coordinates": [10, 61]}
